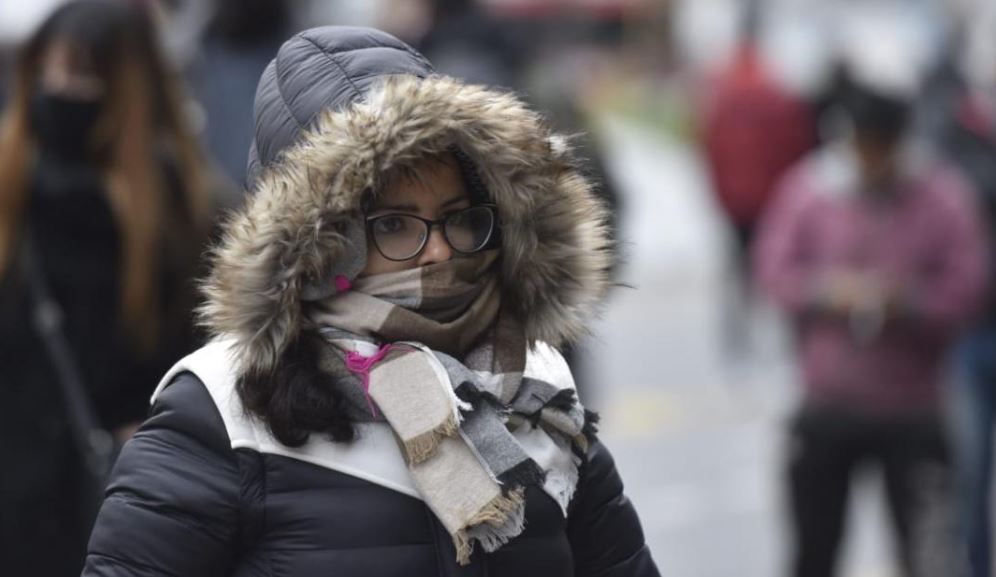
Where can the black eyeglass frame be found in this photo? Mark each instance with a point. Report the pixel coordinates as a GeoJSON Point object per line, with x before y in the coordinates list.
{"type": "Point", "coordinates": [429, 224]}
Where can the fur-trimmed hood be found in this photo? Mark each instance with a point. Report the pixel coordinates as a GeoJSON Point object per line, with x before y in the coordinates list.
{"type": "Point", "coordinates": [334, 111]}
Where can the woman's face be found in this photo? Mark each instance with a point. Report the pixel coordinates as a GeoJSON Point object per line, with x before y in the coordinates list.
{"type": "Point", "coordinates": [67, 70]}
{"type": "Point", "coordinates": [435, 190]}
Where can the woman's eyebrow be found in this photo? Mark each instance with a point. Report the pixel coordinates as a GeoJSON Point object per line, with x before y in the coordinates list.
{"type": "Point", "coordinates": [412, 208]}
{"type": "Point", "coordinates": [395, 207]}
{"type": "Point", "coordinates": [462, 197]}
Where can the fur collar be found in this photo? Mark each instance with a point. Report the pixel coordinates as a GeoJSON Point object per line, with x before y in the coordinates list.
{"type": "Point", "coordinates": [302, 212]}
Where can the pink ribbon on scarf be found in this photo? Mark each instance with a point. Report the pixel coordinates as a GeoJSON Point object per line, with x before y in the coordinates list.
{"type": "Point", "coordinates": [362, 366]}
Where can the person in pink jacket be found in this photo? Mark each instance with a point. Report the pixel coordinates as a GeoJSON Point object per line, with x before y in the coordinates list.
{"type": "Point", "coordinates": [876, 254]}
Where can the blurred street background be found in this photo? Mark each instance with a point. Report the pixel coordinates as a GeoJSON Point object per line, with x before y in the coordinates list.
{"type": "Point", "coordinates": [694, 371]}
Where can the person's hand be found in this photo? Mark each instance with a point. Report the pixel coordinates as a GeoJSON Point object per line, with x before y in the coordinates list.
{"type": "Point", "coordinates": [866, 299]}
{"type": "Point", "coordinates": [846, 292]}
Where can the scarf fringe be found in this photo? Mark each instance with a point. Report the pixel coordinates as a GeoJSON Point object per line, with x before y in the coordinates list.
{"type": "Point", "coordinates": [522, 475]}
{"type": "Point", "coordinates": [582, 443]}
{"type": "Point", "coordinates": [463, 547]}
{"type": "Point", "coordinates": [421, 447]}
{"type": "Point", "coordinates": [590, 428]}
{"type": "Point", "coordinates": [563, 484]}
{"type": "Point", "coordinates": [563, 401]}
{"type": "Point", "coordinates": [500, 520]}
{"type": "Point", "coordinates": [497, 511]}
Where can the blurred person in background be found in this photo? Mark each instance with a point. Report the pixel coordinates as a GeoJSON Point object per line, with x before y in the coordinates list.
{"type": "Point", "coordinates": [753, 128]}
{"type": "Point", "coordinates": [464, 41]}
{"type": "Point", "coordinates": [239, 41]}
{"type": "Point", "coordinates": [102, 192]}
{"type": "Point", "coordinates": [383, 395]}
{"type": "Point", "coordinates": [959, 118]}
{"type": "Point", "coordinates": [559, 88]}
{"type": "Point", "coordinates": [877, 255]}
{"type": "Point", "coordinates": [6, 56]}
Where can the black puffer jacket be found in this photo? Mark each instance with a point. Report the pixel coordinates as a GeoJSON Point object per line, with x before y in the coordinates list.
{"type": "Point", "coordinates": [184, 503]}
{"type": "Point", "coordinates": [195, 494]}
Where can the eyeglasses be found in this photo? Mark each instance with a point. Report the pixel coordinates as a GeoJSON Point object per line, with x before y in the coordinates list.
{"type": "Point", "coordinates": [400, 237]}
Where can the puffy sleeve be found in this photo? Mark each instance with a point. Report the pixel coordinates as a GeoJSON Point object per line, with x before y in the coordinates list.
{"type": "Point", "coordinates": [603, 528]}
{"type": "Point", "coordinates": [172, 505]}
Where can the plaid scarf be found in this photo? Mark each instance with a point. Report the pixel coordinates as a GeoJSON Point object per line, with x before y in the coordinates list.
{"type": "Point", "coordinates": [431, 352]}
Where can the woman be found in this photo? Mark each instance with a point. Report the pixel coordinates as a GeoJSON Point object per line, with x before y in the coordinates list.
{"type": "Point", "coordinates": [100, 177]}
{"type": "Point", "coordinates": [382, 396]}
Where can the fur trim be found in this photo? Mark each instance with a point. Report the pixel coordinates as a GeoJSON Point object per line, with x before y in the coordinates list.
{"type": "Point", "coordinates": [555, 253]}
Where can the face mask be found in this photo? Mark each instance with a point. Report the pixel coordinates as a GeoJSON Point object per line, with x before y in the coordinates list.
{"type": "Point", "coordinates": [64, 123]}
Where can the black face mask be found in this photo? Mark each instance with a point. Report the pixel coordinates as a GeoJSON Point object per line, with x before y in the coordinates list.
{"type": "Point", "coordinates": [64, 124]}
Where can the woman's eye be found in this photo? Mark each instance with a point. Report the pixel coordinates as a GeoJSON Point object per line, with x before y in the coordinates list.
{"type": "Point", "coordinates": [456, 218]}
{"type": "Point", "coordinates": [389, 225]}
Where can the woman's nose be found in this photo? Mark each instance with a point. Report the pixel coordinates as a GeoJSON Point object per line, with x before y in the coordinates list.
{"type": "Point", "coordinates": [436, 248]}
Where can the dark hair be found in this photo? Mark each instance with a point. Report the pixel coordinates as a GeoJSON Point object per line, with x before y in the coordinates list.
{"type": "Point", "coordinates": [875, 114]}
{"type": "Point", "coordinates": [243, 22]}
{"type": "Point", "coordinates": [297, 398]}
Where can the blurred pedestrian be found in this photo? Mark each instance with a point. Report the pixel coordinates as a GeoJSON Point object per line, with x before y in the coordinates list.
{"type": "Point", "coordinates": [753, 129]}
{"type": "Point", "coordinates": [240, 40]}
{"type": "Point", "coordinates": [566, 116]}
{"type": "Point", "coordinates": [959, 111]}
{"type": "Point", "coordinates": [103, 211]}
{"type": "Point", "coordinates": [383, 395]}
{"type": "Point", "coordinates": [875, 252]}
{"type": "Point", "coordinates": [465, 41]}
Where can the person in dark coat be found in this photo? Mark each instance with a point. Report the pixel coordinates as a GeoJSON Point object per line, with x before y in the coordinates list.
{"type": "Point", "coordinates": [958, 115]}
{"type": "Point", "coordinates": [383, 393]}
{"type": "Point", "coordinates": [100, 176]}
{"type": "Point", "coordinates": [242, 36]}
